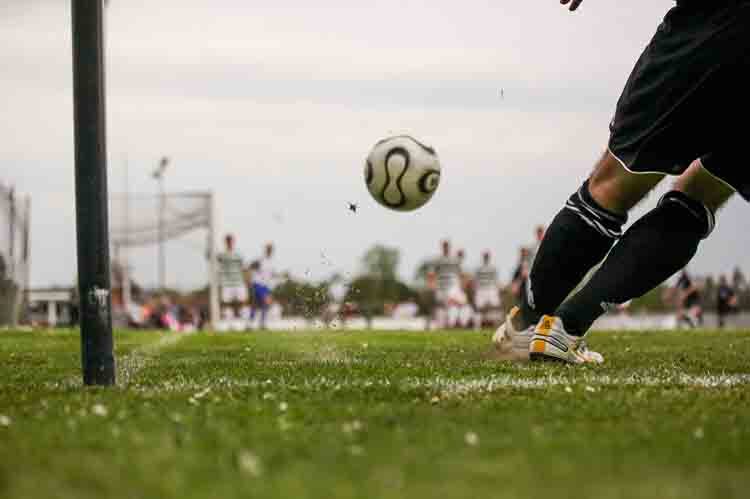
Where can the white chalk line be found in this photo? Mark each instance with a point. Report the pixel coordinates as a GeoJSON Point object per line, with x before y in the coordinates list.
{"type": "Point", "coordinates": [453, 387]}
{"type": "Point", "coordinates": [131, 364]}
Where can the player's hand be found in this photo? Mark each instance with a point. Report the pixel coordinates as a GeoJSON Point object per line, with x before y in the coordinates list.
{"type": "Point", "coordinates": [573, 4]}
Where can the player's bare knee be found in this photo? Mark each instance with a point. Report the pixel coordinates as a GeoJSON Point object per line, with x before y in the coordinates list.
{"type": "Point", "coordinates": [698, 184]}
{"type": "Point", "coordinates": [615, 188]}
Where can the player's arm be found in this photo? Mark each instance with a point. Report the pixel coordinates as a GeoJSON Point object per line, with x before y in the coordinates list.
{"type": "Point", "coordinates": [573, 4]}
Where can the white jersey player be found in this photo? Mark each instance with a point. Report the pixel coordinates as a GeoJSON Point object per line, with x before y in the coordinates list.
{"type": "Point", "coordinates": [448, 271]}
{"type": "Point", "coordinates": [231, 277]}
{"type": "Point", "coordinates": [487, 288]}
{"type": "Point", "coordinates": [264, 280]}
{"type": "Point", "coordinates": [449, 293]}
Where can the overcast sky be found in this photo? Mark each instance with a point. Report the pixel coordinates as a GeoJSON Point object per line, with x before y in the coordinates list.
{"type": "Point", "coordinates": [274, 105]}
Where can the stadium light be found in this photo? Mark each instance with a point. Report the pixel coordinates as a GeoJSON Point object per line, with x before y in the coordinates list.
{"type": "Point", "coordinates": [92, 224]}
{"type": "Point", "coordinates": [158, 175]}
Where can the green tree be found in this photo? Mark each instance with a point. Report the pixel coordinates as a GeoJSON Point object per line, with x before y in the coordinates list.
{"type": "Point", "coordinates": [379, 285]}
{"type": "Point", "coordinates": [302, 298]}
{"type": "Point", "coordinates": [381, 262]}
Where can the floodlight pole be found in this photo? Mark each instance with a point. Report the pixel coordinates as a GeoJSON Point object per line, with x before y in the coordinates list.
{"type": "Point", "coordinates": [92, 228]}
{"type": "Point", "coordinates": [158, 174]}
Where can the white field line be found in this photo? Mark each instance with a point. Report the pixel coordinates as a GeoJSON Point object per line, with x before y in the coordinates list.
{"type": "Point", "coordinates": [130, 365]}
{"type": "Point", "coordinates": [456, 387]}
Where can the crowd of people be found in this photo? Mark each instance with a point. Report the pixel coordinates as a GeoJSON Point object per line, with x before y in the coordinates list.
{"type": "Point", "coordinates": [454, 296]}
{"type": "Point", "coordinates": [478, 299]}
{"type": "Point", "coordinates": [475, 299]}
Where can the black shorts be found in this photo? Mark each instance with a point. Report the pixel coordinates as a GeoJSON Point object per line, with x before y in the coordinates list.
{"type": "Point", "coordinates": [688, 96]}
{"type": "Point", "coordinates": [692, 300]}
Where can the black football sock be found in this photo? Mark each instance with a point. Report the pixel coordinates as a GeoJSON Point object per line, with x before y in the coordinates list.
{"type": "Point", "coordinates": [659, 244]}
{"type": "Point", "coordinates": [578, 238]}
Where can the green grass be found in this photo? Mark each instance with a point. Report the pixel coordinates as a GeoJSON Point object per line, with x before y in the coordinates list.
{"type": "Point", "coordinates": [376, 414]}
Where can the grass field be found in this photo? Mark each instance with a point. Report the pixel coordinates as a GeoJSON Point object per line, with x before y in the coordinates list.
{"type": "Point", "coordinates": [374, 414]}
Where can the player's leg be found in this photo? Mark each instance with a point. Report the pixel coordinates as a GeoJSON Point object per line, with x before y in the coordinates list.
{"type": "Point", "coordinates": [454, 302]}
{"type": "Point", "coordinates": [482, 306]}
{"type": "Point", "coordinates": [265, 307]}
{"type": "Point", "coordinates": [684, 97]}
{"type": "Point", "coordinates": [581, 234]}
{"type": "Point", "coordinates": [655, 247]}
{"type": "Point", "coordinates": [578, 238]}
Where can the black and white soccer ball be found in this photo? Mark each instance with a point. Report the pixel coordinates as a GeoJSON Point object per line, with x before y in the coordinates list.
{"type": "Point", "coordinates": [402, 173]}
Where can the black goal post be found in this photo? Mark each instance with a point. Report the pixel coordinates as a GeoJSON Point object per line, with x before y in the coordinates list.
{"type": "Point", "coordinates": [92, 230]}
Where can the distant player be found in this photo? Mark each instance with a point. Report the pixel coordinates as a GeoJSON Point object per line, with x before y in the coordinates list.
{"type": "Point", "coordinates": [538, 236]}
{"type": "Point", "coordinates": [726, 301]}
{"type": "Point", "coordinates": [487, 289]}
{"type": "Point", "coordinates": [520, 273]}
{"type": "Point", "coordinates": [264, 277]}
{"type": "Point", "coordinates": [679, 114]}
{"type": "Point", "coordinates": [465, 311]}
{"type": "Point", "coordinates": [231, 279]}
{"type": "Point", "coordinates": [689, 309]}
{"type": "Point", "coordinates": [449, 294]}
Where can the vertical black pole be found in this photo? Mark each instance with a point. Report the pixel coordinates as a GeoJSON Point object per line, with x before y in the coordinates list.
{"type": "Point", "coordinates": [91, 194]}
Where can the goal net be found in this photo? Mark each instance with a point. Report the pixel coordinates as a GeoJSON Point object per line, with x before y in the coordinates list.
{"type": "Point", "coordinates": [14, 253]}
{"type": "Point", "coordinates": [146, 220]}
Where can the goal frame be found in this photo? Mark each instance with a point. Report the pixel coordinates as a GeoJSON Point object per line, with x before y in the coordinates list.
{"type": "Point", "coordinates": [91, 197]}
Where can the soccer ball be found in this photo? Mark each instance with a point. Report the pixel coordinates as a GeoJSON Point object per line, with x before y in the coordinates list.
{"type": "Point", "coordinates": [402, 173]}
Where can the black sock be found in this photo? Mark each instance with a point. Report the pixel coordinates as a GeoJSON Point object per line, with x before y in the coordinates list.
{"type": "Point", "coordinates": [577, 239]}
{"type": "Point", "coordinates": [659, 244]}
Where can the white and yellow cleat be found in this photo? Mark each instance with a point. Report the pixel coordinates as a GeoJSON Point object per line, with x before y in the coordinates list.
{"type": "Point", "coordinates": [551, 342]}
{"type": "Point", "coordinates": [511, 343]}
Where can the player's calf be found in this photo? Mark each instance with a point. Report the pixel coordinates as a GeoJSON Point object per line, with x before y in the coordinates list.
{"type": "Point", "coordinates": [577, 239]}
{"type": "Point", "coordinates": [659, 244]}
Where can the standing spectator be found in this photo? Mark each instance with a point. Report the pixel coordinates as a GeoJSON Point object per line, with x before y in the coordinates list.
{"type": "Point", "coordinates": [726, 300]}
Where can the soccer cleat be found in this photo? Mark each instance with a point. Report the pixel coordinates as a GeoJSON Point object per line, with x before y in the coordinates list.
{"type": "Point", "coordinates": [551, 342]}
{"type": "Point", "coordinates": [511, 343]}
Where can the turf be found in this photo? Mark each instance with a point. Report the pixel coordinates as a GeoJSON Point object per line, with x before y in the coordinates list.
{"type": "Point", "coordinates": [374, 414]}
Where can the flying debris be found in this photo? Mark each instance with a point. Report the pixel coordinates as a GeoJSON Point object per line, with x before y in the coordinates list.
{"type": "Point", "coordinates": [353, 207]}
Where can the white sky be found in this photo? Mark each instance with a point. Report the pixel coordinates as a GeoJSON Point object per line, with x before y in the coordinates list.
{"type": "Point", "coordinates": [273, 105]}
